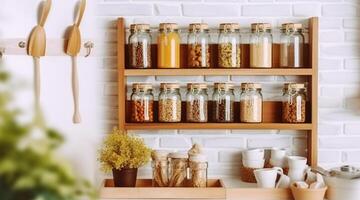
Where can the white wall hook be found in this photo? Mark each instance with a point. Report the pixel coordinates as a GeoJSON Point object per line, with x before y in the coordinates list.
{"type": "Point", "coordinates": [2, 52]}
{"type": "Point", "coordinates": [22, 44]}
{"type": "Point", "coordinates": [88, 45]}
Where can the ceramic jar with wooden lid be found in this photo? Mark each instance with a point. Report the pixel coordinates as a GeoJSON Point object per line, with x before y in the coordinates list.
{"type": "Point", "coordinates": [261, 45]}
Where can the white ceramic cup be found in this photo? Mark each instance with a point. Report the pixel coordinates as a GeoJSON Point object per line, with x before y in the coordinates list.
{"type": "Point", "coordinates": [278, 153]}
{"type": "Point", "coordinates": [284, 182]}
{"type": "Point", "coordinates": [297, 174]}
{"type": "Point", "coordinates": [253, 154]}
{"type": "Point", "coordinates": [310, 176]}
{"type": "Point", "coordinates": [256, 164]}
{"type": "Point", "coordinates": [266, 178]}
{"type": "Point", "coordinates": [278, 162]}
{"type": "Point", "coordinates": [296, 162]}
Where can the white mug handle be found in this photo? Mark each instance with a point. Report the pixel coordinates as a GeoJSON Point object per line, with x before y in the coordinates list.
{"type": "Point", "coordinates": [280, 172]}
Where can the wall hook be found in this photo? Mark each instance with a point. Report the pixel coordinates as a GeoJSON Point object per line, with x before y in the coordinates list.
{"type": "Point", "coordinates": [2, 52]}
{"type": "Point", "coordinates": [22, 44]}
{"type": "Point", "coordinates": [88, 45]}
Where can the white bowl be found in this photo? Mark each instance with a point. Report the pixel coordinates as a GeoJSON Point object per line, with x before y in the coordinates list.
{"type": "Point", "coordinates": [256, 164]}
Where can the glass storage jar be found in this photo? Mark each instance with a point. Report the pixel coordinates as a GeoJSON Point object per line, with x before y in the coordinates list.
{"type": "Point", "coordinates": [160, 168]}
{"type": "Point", "coordinates": [291, 45]}
{"type": "Point", "coordinates": [168, 45]}
{"type": "Point", "coordinates": [178, 169]}
{"type": "Point", "coordinates": [198, 166]}
{"type": "Point", "coordinates": [260, 46]}
{"type": "Point", "coordinates": [223, 102]}
{"type": "Point", "coordinates": [294, 103]}
{"type": "Point", "coordinates": [198, 46]}
{"type": "Point", "coordinates": [142, 103]}
{"type": "Point", "coordinates": [169, 102]}
{"type": "Point", "coordinates": [196, 103]}
{"type": "Point", "coordinates": [140, 46]}
{"type": "Point", "coordinates": [229, 49]}
{"type": "Point", "coordinates": [251, 101]}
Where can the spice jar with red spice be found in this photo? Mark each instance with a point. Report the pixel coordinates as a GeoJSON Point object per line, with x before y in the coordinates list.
{"type": "Point", "coordinates": [140, 46]}
{"type": "Point", "coordinates": [142, 103]}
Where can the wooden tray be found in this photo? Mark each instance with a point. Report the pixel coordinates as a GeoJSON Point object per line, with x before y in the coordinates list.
{"type": "Point", "coordinates": [144, 190]}
{"type": "Point", "coordinates": [258, 194]}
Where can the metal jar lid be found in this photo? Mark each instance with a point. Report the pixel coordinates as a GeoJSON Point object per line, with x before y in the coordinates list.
{"type": "Point", "coordinates": [291, 27]}
{"type": "Point", "coordinates": [245, 86]}
{"type": "Point", "coordinates": [142, 86]}
{"type": "Point", "coordinates": [196, 86]}
{"type": "Point", "coordinates": [168, 27]}
{"type": "Point", "coordinates": [139, 27]}
{"type": "Point", "coordinates": [229, 27]}
{"type": "Point", "coordinates": [260, 27]}
{"type": "Point", "coordinates": [198, 27]}
{"type": "Point", "coordinates": [224, 86]}
{"type": "Point", "coordinates": [169, 85]}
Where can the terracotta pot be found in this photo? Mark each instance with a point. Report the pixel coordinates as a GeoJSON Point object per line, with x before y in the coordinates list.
{"type": "Point", "coordinates": [125, 177]}
{"type": "Point", "coordinates": [308, 194]}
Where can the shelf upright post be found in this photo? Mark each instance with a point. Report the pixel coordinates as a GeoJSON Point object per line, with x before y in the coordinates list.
{"type": "Point", "coordinates": [121, 72]}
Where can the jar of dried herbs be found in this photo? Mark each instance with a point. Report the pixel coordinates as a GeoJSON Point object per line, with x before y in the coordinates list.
{"type": "Point", "coordinates": [198, 166]}
{"type": "Point", "coordinates": [292, 45]}
{"type": "Point", "coordinates": [197, 103]}
{"type": "Point", "coordinates": [178, 169]}
{"type": "Point", "coordinates": [142, 103]}
{"type": "Point", "coordinates": [140, 46]}
{"type": "Point", "coordinates": [169, 103]}
{"type": "Point", "coordinates": [229, 46]}
{"type": "Point", "coordinates": [251, 101]}
{"type": "Point", "coordinates": [294, 103]}
{"type": "Point", "coordinates": [223, 102]}
{"type": "Point", "coordinates": [160, 166]}
{"type": "Point", "coordinates": [198, 46]}
{"type": "Point", "coordinates": [261, 45]}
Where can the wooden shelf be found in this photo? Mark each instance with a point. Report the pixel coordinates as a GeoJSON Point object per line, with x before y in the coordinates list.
{"type": "Point", "coordinates": [277, 126]}
{"type": "Point", "coordinates": [219, 72]}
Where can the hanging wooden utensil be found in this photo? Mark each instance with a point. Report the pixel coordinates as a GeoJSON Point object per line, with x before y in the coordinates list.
{"type": "Point", "coordinates": [73, 49]}
{"type": "Point", "coordinates": [36, 48]}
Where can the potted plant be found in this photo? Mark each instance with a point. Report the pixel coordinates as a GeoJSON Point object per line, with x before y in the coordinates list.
{"type": "Point", "coordinates": [123, 154]}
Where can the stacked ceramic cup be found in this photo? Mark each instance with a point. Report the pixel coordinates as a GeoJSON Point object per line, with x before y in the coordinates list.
{"type": "Point", "coordinates": [253, 158]}
{"type": "Point", "coordinates": [297, 168]}
{"type": "Point", "coordinates": [278, 158]}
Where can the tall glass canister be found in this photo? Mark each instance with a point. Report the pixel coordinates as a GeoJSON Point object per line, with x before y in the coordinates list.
{"type": "Point", "coordinates": [229, 49]}
{"type": "Point", "coordinates": [168, 45]}
{"type": "Point", "coordinates": [261, 46]}
{"type": "Point", "coordinates": [140, 46]}
{"type": "Point", "coordinates": [198, 46]}
{"type": "Point", "coordinates": [223, 102]}
{"type": "Point", "coordinates": [292, 46]}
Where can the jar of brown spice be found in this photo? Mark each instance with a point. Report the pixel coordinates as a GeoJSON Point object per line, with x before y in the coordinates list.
{"type": "Point", "coordinates": [197, 103]}
{"type": "Point", "coordinates": [198, 46]}
{"type": "Point", "coordinates": [142, 103]}
{"type": "Point", "coordinates": [140, 46]}
{"type": "Point", "coordinates": [223, 102]}
{"type": "Point", "coordinates": [294, 103]}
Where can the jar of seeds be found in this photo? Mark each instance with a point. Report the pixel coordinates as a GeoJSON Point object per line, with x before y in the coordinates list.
{"type": "Point", "coordinates": [160, 165]}
{"type": "Point", "coordinates": [178, 169]}
{"type": "Point", "coordinates": [260, 46]}
{"type": "Point", "coordinates": [292, 45]}
{"type": "Point", "coordinates": [229, 45]}
{"type": "Point", "coordinates": [198, 46]}
{"type": "Point", "coordinates": [169, 103]}
{"type": "Point", "coordinates": [142, 103]}
{"type": "Point", "coordinates": [198, 166]}
{"type": "Point", "coordinates": [196, 103]}
{"type": "Point", "coordinates": [140, 46]}
{"type": "Point", "coordinates": [251, 101]}
{"type": "Point", "coordinates": [294, 103]}
{"type": "Point", "coordinates": [223, 102]}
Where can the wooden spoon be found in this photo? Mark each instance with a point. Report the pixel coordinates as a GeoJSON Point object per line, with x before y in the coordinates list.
{"type": "Point", "coordinates": [36, 48]}
{"type": "Point", "coordinates": [73, 49]}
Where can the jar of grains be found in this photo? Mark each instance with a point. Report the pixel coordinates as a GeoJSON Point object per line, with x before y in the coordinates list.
{"type": "Point", "coordinates": [251, 102]}
{"type": "Point", "coordinates": [294, 103]}
{"type": "Point", "coordinates": [198, 166]}
{"type": "Point", "coordinates": [142, 103]}
{"type": "Point", "coordinates": [169, 102]}
{"type": "Point", "coordinates": [260, 46]}
{"type": "Point", "coordinates": [168, 46]}
{"type": "Point", "coordinates": [291, 45]}
{"type": "Point", "coordinates": [178, 169]}
{"type": "Point", "coordinates": [198, 46]}
{"type": "Point", "coordinates": [160, 166]}
{"type": "Point", "coordinates": [229, 45]}
{"type": "Point", "coordinates": [223, 102]}
{"type": "Point", "coordinates": [140, 46]}
{"type": "Point", "coordinates": [196, 103]}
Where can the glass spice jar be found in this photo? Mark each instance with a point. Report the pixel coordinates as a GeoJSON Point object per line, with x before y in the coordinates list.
{"type": "Point", "coordinates": [142, 103]}
{"type": "Point", "coordinates": [160, 166]}
{"type": "Point", "coordinates": [292, 45]}
{"type": "Point", "coordinates": [251, 101]}
{"type": "Point", "coordinates": [198, 166]}
{"type": "Point", "coordinates": [168, 45]}
{"type": "Point", "coordinates": [178, 169]}
{"type": "Point", "coordinates": [223, 100]}
{"type": "Point", "coordinates": [197, 103]}
{"type": "Point", "coordinates": [198, 46]}
{"type": "Point", "coordinates": [140, 46]}
{"type": "Point", "coordinates": [229, 46]}
{"type": "Point", "coordinates": [260, 46]}
{"type": "Point", "coordinates": [169, 102]}
{"type": "Point", "coordinates": [294, 103]}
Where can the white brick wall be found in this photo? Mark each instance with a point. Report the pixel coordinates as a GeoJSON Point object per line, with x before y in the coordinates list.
{"type": "Point", "coordinates": [339, 76]}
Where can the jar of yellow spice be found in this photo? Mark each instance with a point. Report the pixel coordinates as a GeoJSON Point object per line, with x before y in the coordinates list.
{"type": "Point", "coordinates": [168, 46]}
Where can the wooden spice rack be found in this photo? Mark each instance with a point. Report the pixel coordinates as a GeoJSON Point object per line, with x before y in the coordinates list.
{"type": "Point", "coordinates": [271, 114]}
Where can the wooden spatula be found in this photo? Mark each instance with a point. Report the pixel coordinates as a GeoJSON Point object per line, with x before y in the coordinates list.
{"type": "Point", "coordinates": [73, 49]}
{"type": "Point", "coordinates": [36, 48]}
